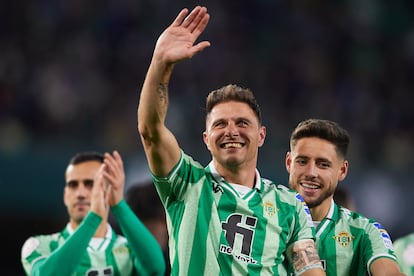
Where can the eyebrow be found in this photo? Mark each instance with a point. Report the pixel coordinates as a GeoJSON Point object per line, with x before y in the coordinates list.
{"type": "Point", "coordinates": [236, 119]}
{"type": "Point", "coordinates": [318, 159]}
{"type": "Point", "coordinates": [75, 181]}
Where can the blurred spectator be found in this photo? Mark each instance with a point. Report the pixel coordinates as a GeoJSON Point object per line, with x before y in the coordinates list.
{"type": "Point", "coordinates": [344, 198]}
{"type": "Point", "coordinates": [404, 249]}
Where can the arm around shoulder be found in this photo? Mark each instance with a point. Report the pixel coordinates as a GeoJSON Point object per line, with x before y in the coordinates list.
{"type": "Point", "coordinates": [176, 43]}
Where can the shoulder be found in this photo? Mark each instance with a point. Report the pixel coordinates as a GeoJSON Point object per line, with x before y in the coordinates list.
{"type": "Point", "coordinates": [270, 185]}
{"type": "Point", "coordinates": [44, 237]}
{"type": "Point", "coordinates": [187, 164]}
{"type": "Point", "coordinates": [369, 226]}
{"type": "Point", "coordinates": [354, 218]}
{"type": "Point", "coordinates": [34, 242]}
{"type": "Point", "coordinates": [282, 192]}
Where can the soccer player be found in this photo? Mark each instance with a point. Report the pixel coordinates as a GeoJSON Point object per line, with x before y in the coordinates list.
{"type": "Point", "coordinates": [88, 245]}
{"type": "Point", "coordinates": [348, 243]}
{"type": "Point", "coordinates": [223, 219]}
{"type": "Point", "coordinates": [404, 249]}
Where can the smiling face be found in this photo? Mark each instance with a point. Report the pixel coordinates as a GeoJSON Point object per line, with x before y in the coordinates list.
{"type": "Point", "coordinates": [77, 193]}
{"type": "Point", "coordinates": [233, 135]}
{"type": "Point", "coordinates": [315, 168]}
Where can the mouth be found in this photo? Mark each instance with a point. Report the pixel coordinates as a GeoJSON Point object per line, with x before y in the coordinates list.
{"type": "Point", "coordinates": [229, 145]}
{"type": "Point", "coordinates": [308, 185]}
{"type": "Point", "coordinates": [82, 205]}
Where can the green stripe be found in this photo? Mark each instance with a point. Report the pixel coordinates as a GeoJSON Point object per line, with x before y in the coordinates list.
{"type": "Point", "coordinates": [197, 263]}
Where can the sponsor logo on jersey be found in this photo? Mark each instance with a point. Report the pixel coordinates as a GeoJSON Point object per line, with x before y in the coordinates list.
{"type": "Point", "coordinates": [269, 208]}
{"type": "Point", "coordinates": [229, 251]}
{"type": "Point", "coordinates": [105, 271]}
{"type": "Point", "coordinates": [344, 238]}
{"type": "Point", "coordinates": [239, 226]}
{"type": "Point", "coordinates": [385, 236]}
{"type": "Point", "coordinates": [217, 188]}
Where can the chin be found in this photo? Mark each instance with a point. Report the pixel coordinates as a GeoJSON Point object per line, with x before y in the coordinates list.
{"type": "Point", "coordinates": [232, 163]}
{"type": "Point", "coordinates": [313, 202]}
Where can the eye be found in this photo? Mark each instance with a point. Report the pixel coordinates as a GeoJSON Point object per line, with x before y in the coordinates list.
{"type": "Point", "coordinates": [324, 164]}
{"type": "Point", "coordinates": [301, 161]}
{"type": "Point", "coordinates": [72, 184]}
{"type": "Point", "coordinates": [88, 183]}
{"type": "Point", "coordinates": [242, 123]}
{"type": "Point", "coordinates": [219, 124]}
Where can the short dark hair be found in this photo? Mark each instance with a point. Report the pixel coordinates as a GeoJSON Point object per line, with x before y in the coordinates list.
{"type": "Point", "coordinates": [323, 129]}
{"type": "Point", "coordinates": [86, 156]}
{"type": "Point", "coordinates": [232, 92]}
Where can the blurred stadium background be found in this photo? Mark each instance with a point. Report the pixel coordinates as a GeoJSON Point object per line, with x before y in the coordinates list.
{"type": "Point", "coordinates": [70, 72]}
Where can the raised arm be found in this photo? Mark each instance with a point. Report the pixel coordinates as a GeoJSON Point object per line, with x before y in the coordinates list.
{"type": "Point", "coordinates": [176, 43]}
{"type": "Point", "coordinates": [150, 258]}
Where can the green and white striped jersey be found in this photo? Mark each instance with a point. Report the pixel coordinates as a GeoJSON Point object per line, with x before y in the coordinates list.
{"type": "Point", "coordinates": [348, 242]}
{"type": "Point", "coordinates": [77, 253]}
{"type": "Point", "coordinates": [215, 231]}
{"type": "Point", "coordinates": [404, 250]}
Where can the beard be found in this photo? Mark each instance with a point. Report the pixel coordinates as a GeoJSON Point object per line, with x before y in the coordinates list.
{"type": "Point", "coordinates": [318, 201]}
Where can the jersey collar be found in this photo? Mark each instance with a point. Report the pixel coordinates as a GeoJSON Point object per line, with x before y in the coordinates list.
{"type": "Point", "coordinates": [212, 168]}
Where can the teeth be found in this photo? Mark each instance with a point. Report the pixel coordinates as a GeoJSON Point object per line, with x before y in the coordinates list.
{"type": "Point", "coordinates": [310, 186]}
{"type": "Point", "coordinates": [232, 145]}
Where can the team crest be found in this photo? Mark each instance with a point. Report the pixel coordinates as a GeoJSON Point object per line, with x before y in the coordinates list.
{"type": "Point", "coordinates": [344, 238]}
{"type": "Point", "coordinates": [269, 208]}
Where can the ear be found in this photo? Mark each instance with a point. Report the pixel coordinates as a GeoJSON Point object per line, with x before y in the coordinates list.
{"type": "Point", "coordinates": [64, 197]}
{"type": "Point", "coordinates": [205, 139]}
{"type": "Point", "coordinates": [262, 135]}
{"type": "Point", "coordinates": [343, 171]}
{"type": "Point", "coordinates": [288, 161]}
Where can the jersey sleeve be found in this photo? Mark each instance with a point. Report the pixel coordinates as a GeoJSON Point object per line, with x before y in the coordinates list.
{"type": "Point", "coordinates": [303, 228]}
{"type": "Point", "coordinates": [149, 255]}
{"type": "Point", "coordinates": [38, 259]}
{"type": "Point", "coordinates": [377, 243]}
{"type": "Point", "coordinates": [303, 240]}
{"type": "Point", "coordinates": [174, 187]}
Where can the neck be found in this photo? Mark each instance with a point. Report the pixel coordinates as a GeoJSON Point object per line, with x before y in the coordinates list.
{"type": "Point", "coordinates": [245, 176]}
{"type": "Point", "coordinates": [319, 212]}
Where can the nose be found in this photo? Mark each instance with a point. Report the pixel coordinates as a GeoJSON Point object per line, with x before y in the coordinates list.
{"type": "Point", "coordinates": [232, 130]}
{"type": "Point", "coordinates": [82, 191]}
{"type": "Point", "coordinates": [311, 170]}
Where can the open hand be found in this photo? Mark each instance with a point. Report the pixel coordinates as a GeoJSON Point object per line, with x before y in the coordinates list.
{"type": "Point", "coordinates": [177, 41]}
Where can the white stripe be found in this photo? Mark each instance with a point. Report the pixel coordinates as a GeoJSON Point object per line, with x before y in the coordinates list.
{"type": "Point", "coordinates": [326, 222]}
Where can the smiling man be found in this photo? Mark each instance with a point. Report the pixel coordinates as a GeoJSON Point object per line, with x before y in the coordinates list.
{"type": "Point", "coordinates": [348, 243]}
{"type": "Point", "coordinates": [223, 219]}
